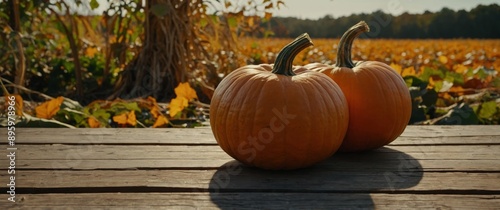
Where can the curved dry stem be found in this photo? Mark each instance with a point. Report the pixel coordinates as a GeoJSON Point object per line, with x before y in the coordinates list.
{"type": "Point", "coordinates": [345, 44]}
{"type": "Point", "coordinates": [284, 60]}
{"type": "Point", "coordinates": [9, 83]}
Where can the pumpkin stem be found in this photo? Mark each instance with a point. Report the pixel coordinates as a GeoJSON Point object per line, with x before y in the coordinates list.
{"type": "Point", "coordinates": [284, 60]}
{"type": "Point", "coordinates": [345, 44]}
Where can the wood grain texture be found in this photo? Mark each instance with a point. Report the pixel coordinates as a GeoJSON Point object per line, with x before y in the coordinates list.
{"type": "Point", "coordinates": [413, 135]}
{"type": "Point", "coordinates": [251, 200]}
{"type": "Point", "coordinates": [314, 180]}
{"type": "Point", "coordinates": [113, 152]}
{"type": "Point", "coordinates": [429, 158]}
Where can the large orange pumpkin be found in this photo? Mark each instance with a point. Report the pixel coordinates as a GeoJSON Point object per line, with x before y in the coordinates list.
{"type": "Point", "coordinates": [379, 100]}
{"type": "Point", "coordinates": [273, 117]}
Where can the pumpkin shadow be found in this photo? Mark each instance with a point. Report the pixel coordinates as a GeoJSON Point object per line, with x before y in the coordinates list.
{"type": "Point", "coordinates": [343, 181]}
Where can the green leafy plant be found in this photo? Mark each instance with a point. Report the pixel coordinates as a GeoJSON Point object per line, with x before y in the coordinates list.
{"type": "Point", "coordinates": [64, 112]}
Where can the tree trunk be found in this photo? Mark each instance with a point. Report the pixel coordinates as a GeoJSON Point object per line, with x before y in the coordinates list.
{"type": "Point", "coordinates": [69, 31]}
{"type": "Point", "coordinates": [171, 49]}
{"type": "Point", "coordinates": [20, 59]}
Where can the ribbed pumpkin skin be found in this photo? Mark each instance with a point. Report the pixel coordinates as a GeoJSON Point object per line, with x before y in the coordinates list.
{"type": "Point", "coordinates": [379, 103]}
{"type": "Point", "coordinates": [275, 121]}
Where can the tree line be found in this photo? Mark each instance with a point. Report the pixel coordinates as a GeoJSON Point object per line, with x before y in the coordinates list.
{"type": "Point", "coordinates": [482, 21]}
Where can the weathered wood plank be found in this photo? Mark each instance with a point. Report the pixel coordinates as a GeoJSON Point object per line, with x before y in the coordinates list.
{"type": "Point", "coordinates": [446, 140]}
{"type": "Point", "coordinates": [203, 135]}
{"type": "Point", "coordinates": [244, 178]}
{"type": "Point", "coordinates": [430, 158]}
{"type": "Point", "coordinates": [127, 152]}
{"type": "Point", "coordinates": [450, 131]}
{"type": "Point", "coordinates": [428, 165]}
{"type": "Point", "coordinates": [252, 201]}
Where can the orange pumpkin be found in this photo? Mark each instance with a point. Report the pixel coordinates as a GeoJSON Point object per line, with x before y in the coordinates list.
{"type": "Point", "coordinates": [273, 117]}
{"type": "Point", "coordinates": [379, 100]}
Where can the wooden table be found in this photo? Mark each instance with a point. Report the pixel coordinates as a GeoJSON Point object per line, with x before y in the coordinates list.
{"type": "Point", "coordinates": [438, 167]}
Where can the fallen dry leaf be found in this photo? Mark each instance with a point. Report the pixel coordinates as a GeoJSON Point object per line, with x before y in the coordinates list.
{"type": "Point", "coordinates": [126, 118]}
{"type": "Point", "coordinates": [93, 123]}
{"type": "Point", "coordinates": [18, 104]}
{"type": "Point", "coordinates": [185, 90]}
{"type": "Point", "coordinates": [160, 121]}
{"type": "Point", "coordinates": [49, 108]}
{"type": "Point", "coordinates": [177, 105]}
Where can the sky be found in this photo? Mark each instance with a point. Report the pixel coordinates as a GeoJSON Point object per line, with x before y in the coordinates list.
{"type": "Point", "coordinates": [314, 9]}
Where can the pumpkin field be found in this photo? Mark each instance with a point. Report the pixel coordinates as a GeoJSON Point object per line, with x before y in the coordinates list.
{"type": "Point", "coordinates": [458, 77]}
{"type": "Point", "coordinates": [450, 81]}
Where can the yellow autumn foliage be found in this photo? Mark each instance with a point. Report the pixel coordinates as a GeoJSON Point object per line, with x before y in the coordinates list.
{"type": "Point", "coordinates": [127, 118]}
{"type": "Point", "coordinates": [49, 108]}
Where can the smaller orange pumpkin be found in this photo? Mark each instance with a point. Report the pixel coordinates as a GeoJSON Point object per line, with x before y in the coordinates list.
{"type": "Point", "coordinates": [379, 100]}
{"type": "Point", "coordinates": [279, 116]}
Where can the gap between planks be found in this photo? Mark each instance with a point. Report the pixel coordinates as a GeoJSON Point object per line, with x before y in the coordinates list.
{"type": "Point", "coordinates": [142, 189]}
{"type": "Point", "coordinates": [453, 135]}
